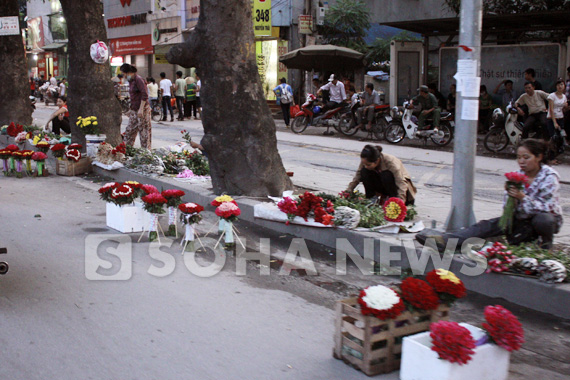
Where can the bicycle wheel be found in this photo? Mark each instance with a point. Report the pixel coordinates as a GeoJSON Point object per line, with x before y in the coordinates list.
{"type": "Point", "coordinates": [300, 124]}
{"type": "Point", "coordinates": [496, 140]}
{"type": "Point", "coordinates": [156, 113]}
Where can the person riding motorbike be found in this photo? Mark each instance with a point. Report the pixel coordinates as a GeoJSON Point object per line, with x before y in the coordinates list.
{"type": "Point", "coordinates": [430, 107]}
{"type": "Point", "coordinates": [536, 119]}
{"type": "Point", "coordinates": [371, 99]}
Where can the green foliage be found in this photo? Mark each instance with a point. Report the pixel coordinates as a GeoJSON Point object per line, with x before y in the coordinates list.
{"type": "Point", "coordinates": [370, 216]}
{"type": "Point", "coordinates": [411, 214]}
{"type": "Point", "coordinates": [198, 163]}
{"type": "Point", "coordinates": [532, 250]}
{"type": "Point", "coordinates": [380, 49]}
{"type": "Point", "coordinates": [346, 24]}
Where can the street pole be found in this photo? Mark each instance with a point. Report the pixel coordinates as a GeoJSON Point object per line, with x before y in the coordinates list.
{"type": "Point", "coordinates": [465, 145]}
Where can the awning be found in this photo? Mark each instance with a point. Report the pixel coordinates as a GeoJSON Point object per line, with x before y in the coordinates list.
{"type": "Point", "coordinates": [54, 46]}
{"type": "Point", "coordinates": [323, 57]}
{"type": "Point", "coordinates": [495, 24]}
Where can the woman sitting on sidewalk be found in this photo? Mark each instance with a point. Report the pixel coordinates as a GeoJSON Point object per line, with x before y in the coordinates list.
{"type": "Point", "coordinates": [383, 176]}
{"type": "Point", "coordinates": [538, 212]}
{"type": "Point", "coordinates": [60, 118]}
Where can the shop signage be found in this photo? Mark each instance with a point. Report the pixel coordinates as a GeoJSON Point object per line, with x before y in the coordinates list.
{"type": "Point", "coordinates": [125, 2]}
{"type": "Point", "coordinates": [305, 24]}
{"type": "Point", "coordinates": [157, 32]}
{"type": "Point", "coordinates": [138, 45]}
{"type": "Point", "coordinates": [262, 17]}
{"type": "Point", "coordinates": [9, 26]}
{"type": "Point", "coordinates": [127, 20]}
{"type": "Point", "coordinates": [160, 59]}
{"type": "Point", "coordinates": [116, 61]}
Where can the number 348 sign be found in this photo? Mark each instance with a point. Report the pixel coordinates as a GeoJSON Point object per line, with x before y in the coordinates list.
{"type": "Point", "coordinates": [262, 17]}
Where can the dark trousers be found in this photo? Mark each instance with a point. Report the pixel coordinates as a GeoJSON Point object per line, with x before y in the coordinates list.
{"type": "Point", "coordinates": [286, 109]}
{"type": "Point", "coordinates": [544, 225]}
{"type": "Point", "coordinates": [535, 122]}
{"type": "Point", "coordinates": [484, 119]}
{"type": "Point", "coordinates": [58, 125]}
{"type": "Point", "coordinates": [167, 105]}
{"type": "Point", "coordinates": [190, 108]}
{"type": "Point", "coordinates": [374, 182]}
{"type": "Point", "coordinates": [180, 106]}
{"type": "Point", "coordinates": [567, 124]}
{"type": "Point", "coordinates": [331, 105]}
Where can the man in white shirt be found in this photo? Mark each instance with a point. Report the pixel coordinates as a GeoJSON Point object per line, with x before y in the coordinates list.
{"type": "Point", "coordinates": [337, 92]}
{"type": "Point", "coordinates": [536, 119]}
{"type": "Point", "coordinates": [198, 99]}
{"type": "Point", "coordinates": [166, 90]}
{"type": "Point", "coordinates": [63, 88]}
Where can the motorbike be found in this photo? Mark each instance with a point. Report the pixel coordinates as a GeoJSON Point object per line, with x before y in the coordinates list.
{"type": "Point", "coordinates": [49, 93]}
{"type": "Point", "coordinates": [504, 130]}
{"type": "Point", "coordinates": [348, 126]}
{"type": "Point", "coordinates": [3, 265]}
{"type": "Point", "coordinates": [405, 124]}
{"type": "Point", "coordinates": [33, 102]}
{"type": "Point", "coordinates": [312, 114]}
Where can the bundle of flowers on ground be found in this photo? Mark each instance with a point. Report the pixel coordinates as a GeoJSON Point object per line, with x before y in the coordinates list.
{"type": "Point", "coordinates": [5, 155]}
{"type": "Point", "coordinates": [448, 287]}
{"type": "Point", "coordinates": [105, 191]}
{"type": "Point", "coordinates": [108, 155]}
{"type": "Point", "coordinates": [308, 205]}
{"type": "Point", "coordinates": [503, 328]}
{"type": "Point", "coordinates": [228, 212]}
{"type": "Point", "coordinates": [122, 194]}
{"type": "Point", "coordinates": [58, 150]}
{"type": "Point", "coordinates": [217, 202]}
{"type": "Point", "coordinates": [18, 158]}
{"type": "Point", "coordinates": [520, 181]}
{"type": "Point", "coordinates": [27, 155]}
{"type": "Point", "coordinates": [498, 258]}
{"type": "Point", "coordinates": [40, 158]}
{"type": "Point", "coordinates": [380, 302]}
{"type": "Point", "coordinates": [370, 216]}
{"type": "Point", "coordinates": [22, 137]}
{"type": "Point", "coordinates": [395, 210]}
{"type": "Point", "coordinates": [154, 204]}
{"type": "Point", "coordinates": [190, 216]}
{"type": "Point", "coordinates": [452, 342]}
{"type": "Point", "coordinates": [138, 187]}
{"type": "Point", "coordinates": [170, 160]}
{"type": "Point", "coordinates": [11, 157]}
{"type": "Point", "coordinates": [149, 189]}
{"type": "Point", "coordinates": [173, 199]}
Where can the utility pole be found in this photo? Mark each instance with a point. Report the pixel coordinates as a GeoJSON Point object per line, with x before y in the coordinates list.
{"type": "Point", "coordinates": [465, 145]}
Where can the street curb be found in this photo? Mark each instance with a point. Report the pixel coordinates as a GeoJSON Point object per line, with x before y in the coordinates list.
{"type": "Point", "coordinates": [529, 293]}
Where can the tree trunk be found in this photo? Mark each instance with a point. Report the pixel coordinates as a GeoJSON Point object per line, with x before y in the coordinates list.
{"type": "Point", "coordinates": [90, 88]}
{"type": "Point", "coordinates": [14, 104]}
{"type": "Point", "coordinates": [239, 130]}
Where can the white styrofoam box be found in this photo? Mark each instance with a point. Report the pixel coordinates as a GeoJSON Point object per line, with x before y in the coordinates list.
{"type": "Point", "coordinates": [419, 362]}
{"type": "Point", "coordinates": [145, 214]}
{"type": "Point", "coordinates": [125, 219]}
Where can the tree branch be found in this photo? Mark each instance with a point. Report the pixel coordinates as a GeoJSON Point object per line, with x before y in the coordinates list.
{"type": "Point", "coordinates": [186, 54]}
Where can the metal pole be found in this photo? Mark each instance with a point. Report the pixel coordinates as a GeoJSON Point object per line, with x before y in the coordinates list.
{"type": "Point", "coordinates": [465, 144]}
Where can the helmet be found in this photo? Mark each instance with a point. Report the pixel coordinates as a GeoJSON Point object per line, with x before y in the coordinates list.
{"type": "Point", "coordinates": [498, 115]}
{"type": "Point", "coordinates": [317, 109]}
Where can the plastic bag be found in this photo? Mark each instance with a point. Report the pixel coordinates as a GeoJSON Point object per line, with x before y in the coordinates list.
{"type": "Point", "coordinates": [294, 110]}
{"type": "Point", "coordinates": [99, 52]}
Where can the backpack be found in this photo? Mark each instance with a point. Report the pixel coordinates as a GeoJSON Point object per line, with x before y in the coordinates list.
{"type": "Point", "coordinates": [286, 95]}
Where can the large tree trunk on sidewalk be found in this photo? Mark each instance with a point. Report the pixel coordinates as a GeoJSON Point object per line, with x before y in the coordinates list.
{"type": "Point", "coordinates": [90, 88]}
{"type": "Point", "coordinates": [239, 130]}
{"type": "Point", "coordinates": [15, 88]}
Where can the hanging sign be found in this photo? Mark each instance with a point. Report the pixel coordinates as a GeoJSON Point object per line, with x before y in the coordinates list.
{"type": "Point", "coordinates": [305, 24]}
{"type": "Point", "coordinates": [262, 17]}
{"type": "Point", "coordinates": [9, 26]}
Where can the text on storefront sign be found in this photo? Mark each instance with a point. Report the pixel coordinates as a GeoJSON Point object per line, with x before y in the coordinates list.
{"type": "Point", "coordinates": [127, 20]}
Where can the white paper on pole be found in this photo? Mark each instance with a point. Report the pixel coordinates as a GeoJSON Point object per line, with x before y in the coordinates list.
{"type": "Point", "coordinates": [471, 86]}
{"type": "Point", "coordinates": [470, 109]}
{"type": "Point", "coordinates": [466, 68]}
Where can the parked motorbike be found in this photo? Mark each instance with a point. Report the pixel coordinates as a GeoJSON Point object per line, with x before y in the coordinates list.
{"type": "Point", "coordinates": [312, 114]}
{"type": "Point", "coordinates": [3, 265]}
{"type": "Point", "coordinates": [405, 124]}
{"type": "Point", "coordinates": [33, 101]}
{"type": "Point", "coordinates": [49, 93]}
{"type": "Point", "coordinates": [349, 124]}
{"type": "Point", "coordinates": [503, 130]}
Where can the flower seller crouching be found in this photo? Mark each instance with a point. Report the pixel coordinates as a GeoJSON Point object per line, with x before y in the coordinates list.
{"type": "Point", "coordinates": [383, 176]}
{"type": "Point", "coordinates": [537, 214]}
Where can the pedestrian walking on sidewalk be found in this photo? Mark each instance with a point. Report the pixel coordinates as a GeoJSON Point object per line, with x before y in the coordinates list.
{"type": "Point", "coordinates": [284, 94]}
{"type": "Point", "coordinates": [538, 214]}
{"type": "Point", "coordinates": [190, 108]}
{"type": "Point", "coordinates": [166, 91]}
{"type": "Point", "coordinates": [198, 98]}
{"type": "Point", "coordinates": [383, 176]}
{"type": "Point", "coordinates": [139, 113]}
{"type": "Point", "coordinates": [180, 92]}
{"type": "Point", "coordinates": [152, 92]}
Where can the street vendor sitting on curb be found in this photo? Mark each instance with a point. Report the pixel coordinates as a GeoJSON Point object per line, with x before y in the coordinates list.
{"type": "Point", "coordinates": [537, 214]}
{"type": "Point", "coordinates": [383, 176]}
{"type": "Point", "coordinates": [60, 118]}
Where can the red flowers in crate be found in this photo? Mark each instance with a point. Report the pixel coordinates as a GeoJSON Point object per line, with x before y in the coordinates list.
{"type": "Point", "coordinates": [419, 294]}
{"type": "Point", "coordinates": [380, 302]}
{"type": "Point", "coordinates": [12, 148]}
{"type": "Point", "coordinates": [228, 211]}
{"type": "Point", "coordinates": [452, 342]}
{"type": "Point", "coordinates": [504, 328]}
{"type": "Point", "coordinates": [498, 258]}
{"type": "Point", "coordinates": [73, 154]}
{"type": "Point", "coordinates": [395, 210]}
{"type": "Point", "coordinates": [190, 208]}
{"type": "Point", "coordinates": [445, 282]}
{"type": "Point", "coordinates": [39, 156]}
{"type": "Point", "coordinates": [149, 189]}
{"type": "Point", "coordinates": [57, 147]}
{"type": "Point", "coordinates": [517, 178]}
{"type": "Point", "coordinates": [14, 129]}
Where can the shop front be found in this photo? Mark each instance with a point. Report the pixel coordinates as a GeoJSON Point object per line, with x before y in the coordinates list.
{"type": "Point", "coordinates": [135, 50]}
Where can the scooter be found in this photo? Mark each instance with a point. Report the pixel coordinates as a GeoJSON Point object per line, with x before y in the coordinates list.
{"type": "Point", "coordinates": [312, 114]}
{"type": "Point", "coordinates": [405, 124]}
{"type": "Point", "coordinates": [33, 102]}
{"type": "Point", "coordinates": [49, 93]}
{"type": "Point", "coordinates": [349, 125]}
{"type": "Point", "coordinates": [504, 130]}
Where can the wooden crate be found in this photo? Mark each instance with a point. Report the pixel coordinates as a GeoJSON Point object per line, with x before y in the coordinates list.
{"type": "Point", "coordinates": [372, 345]}
{"type": "Point", "coordinates": [70, 168]}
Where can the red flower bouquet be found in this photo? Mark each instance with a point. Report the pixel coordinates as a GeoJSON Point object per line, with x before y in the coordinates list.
{"type": "Point", "coordinates": [452, 342]}
{"type": "Point", "coordinates": [380, 302]}
{"type": "Point", "coordinates": [149, 189]}
{"type": "Point", "coordinates": [73, 155]}
{"type": "Point", "coordinates": [503, 328]}
{"type": "Point", "coordinates": [42, 146]}
{"type": "Point", "coordinates": [27, 155]}
{"type": "Point", "coordinates": [310, 203]}
{"type": "Point", "coordinates": [105, 191]}
{"type": "Point", "coordinates": [448, 287]}
{"type": "Point", "coordinates": [498, 258]}
{"type": "Point", "coordinates": [40, 159]}
{"type": "Point", "coordinates": [75, 146]}
{"type": "Point", "coordinates": [5, 156]}
{"type": "Point", "coordinates": [228, 211]}
{"type": "Point", "coordinates": [121, 148]}
{"type": "Point", "coordinates": [12, 148]}
{"type": "Point", "coordinates": [137, 187]}
{"type": "Point", "coordinates": [289, 207]}
{"type": "Point", "coordinates": [58, 150]}
{"type": "Point", "coordinates": [520, 181]}
{"type": "Point", "coordinates": [122, 195]}
{"type": "Point", "coordinates": [154, 203]}
{"type": "Point", "coordinates": [173, 197]}
{"type": "Point", "coordinates": [395, 210]}
{"type": "Point", "coordinates": [14, 129]}
{"type": "Point", "coordinates": [419, 294]}
{"type": "Point", "coordinates": [190, 213]}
